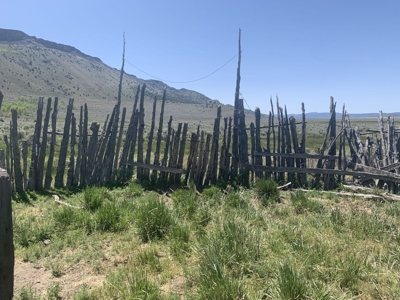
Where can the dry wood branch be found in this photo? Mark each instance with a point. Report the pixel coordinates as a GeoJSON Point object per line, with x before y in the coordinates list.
{"type": "Point", "coordinates": [284, 186]}
{"type": "Point", "coordinates": [57, 199]}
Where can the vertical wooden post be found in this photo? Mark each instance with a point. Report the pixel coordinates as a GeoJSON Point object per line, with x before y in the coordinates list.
{"type": "Point", "coordinates": [253, 149]}
{"type": "Point", "coordinates": [77, 171]}
{"type": "Point", "coordinates": [16, 154]}
{"type": "Point", "coordinates": [164, 161]}
{"type": "Point", "coordinates": [303, 177]}
{"type": "Point", "coordinates": [91, 154]}
{"type": "Point", "coordinates": [235, 138]}
{"type": "Point", "coordinates": [59, 180]}
{"type": "Point", "coordinates": [151, 135]}
{"type": "Point", "coordinates": [140, 133]}
{"type": "Point", "coordinates": [2, 159]}
{"type": "Point", "coordinates": [85, 157]}
{"type": "Point", "coordinates": [329, 180]}
{"type": "Point", "coordinates": [25, 163]}
{"type": "Point", "coordinates": [258, 159]}
{"type": "Point", "coordinates": [71, 164]}
{"type": "Point", "coordinates": [49, 171]}
{"type": "Point", "coordinates": [289, 160]}
{"type": "Point", "coordinates": [1, 98]}
{"type": "Point", "coordinates": [8, 154]}
{"type": "Point", "coordinates": [159, 138]}
{"type": "Point", "coordinates": [33, 172]}
{"type": "Point", "coordinates": [181, 152]}
{"type": "Point", "coordinates": [121, 132]}
{"type": "Point", "coordinates": [6, 238]}
{"type": "Point", "coordinates": [273, 137]}
{"type": "Point", "coordinates": [42, 156]}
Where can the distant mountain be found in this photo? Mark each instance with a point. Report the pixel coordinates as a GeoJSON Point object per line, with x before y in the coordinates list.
{"type": "Point", "coordinates": [31, 67]}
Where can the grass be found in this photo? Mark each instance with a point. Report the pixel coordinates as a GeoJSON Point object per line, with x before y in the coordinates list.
{"type": "Point", "coordinates": [140, 245]}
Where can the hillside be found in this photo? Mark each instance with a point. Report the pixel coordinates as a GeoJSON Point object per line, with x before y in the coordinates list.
{"type": "Point", "coordinates": [31, 67]}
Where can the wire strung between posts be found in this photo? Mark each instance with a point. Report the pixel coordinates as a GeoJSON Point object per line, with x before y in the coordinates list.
{"type": "Point", "coordinates": [201, 78]}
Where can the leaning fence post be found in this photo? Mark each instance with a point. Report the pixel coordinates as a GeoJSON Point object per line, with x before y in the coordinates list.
{"type": "Point", "coordinates": [6, 238]}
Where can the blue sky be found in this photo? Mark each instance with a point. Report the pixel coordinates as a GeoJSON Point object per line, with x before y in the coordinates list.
{"type": "Point", "coordinates": [302, 51]}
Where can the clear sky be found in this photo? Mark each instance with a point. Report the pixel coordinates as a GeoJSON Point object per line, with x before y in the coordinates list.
{"type": "Point", "coordinates": [301, 50]}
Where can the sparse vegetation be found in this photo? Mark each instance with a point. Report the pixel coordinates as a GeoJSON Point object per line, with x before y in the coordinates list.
{"type": "Point", "coordinates": [211, 246]}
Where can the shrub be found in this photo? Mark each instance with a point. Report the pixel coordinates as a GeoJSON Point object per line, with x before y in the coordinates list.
{"type": "Point", "coordinates": [267, 191]}
{"type": "Point", "coordinates": [303, 204]}
{"type": "Point", "coordinates": [153, 219]}
{"type": "Point", "coordinates": [108, 218]}
{"type": "Point", "coordinates": [291, 285]}
{"type": "Point", "coordinates": [93, 198]}
{"type": "Point", "coordinates": [185, 203]}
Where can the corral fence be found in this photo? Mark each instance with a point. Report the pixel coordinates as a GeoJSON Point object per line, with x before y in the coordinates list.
{"type": "Point", "coordinates": [232, 152]}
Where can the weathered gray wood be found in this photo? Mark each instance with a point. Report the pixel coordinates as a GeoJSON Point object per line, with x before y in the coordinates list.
{"type": "Point", "coordinates": [329, 181]}
{"type": "Point", "coordinates": [59, 180]}
{"type": "Point", "coordinates": [293, 131]}
{"type": "Point", "coordinates": [192, 159]}
{"type": "Point", "coordinates": [91, 153]}
{"type": "Point", "coordinates": [253, 149]}
{"type": "Point", "coordinates": [77, 173]}
{"type": "Point", "coordinates": [105, 161]}
{"type": "Point", "coordinates": [8, 154]}
{"type": "Point", "coordinates": [181, 154]}
{"type": "Point", "coordinates": [258, 159]}
{"type": "Point", "coordinates": [159, 138]}
{"type": "Point", "coordinates": [223, 164]}
{"type": "Point", "coordinates": [175, 152]}
{"type": "Point", "coordinates": [2, 159]}
{"type": "Point", "coordinates": [303, 162]}
{"type": "Point", "coordinates": [1, 98]}
{"type": "Point", "coordinates": [19, 185]}
{"type": "Point", "coordinates": [158, 168]}
{"type": "Point", "coordinates": [121, 131]}
{"type": "Point", "coordinates": [199, 163]}
{"type": "Point", "coordinates": [163, 175]}
{"type": "Point", "coordinates": [151, 136]}
{"type": "Point", "coordinates": [235, 137]}
{"type": "Point", "coordinates": [11, 174]}
{"type": "Point", "coordinates": [289, 160]}
{"type": "Point", "coordinates": [49, 170]}
{"type": "Point", "coordinates": [140, 133]}
{"type": "Point", "coordinates": [6, 238]}
{"type": "Point", "coordinates": [297, 155]}
{"type": "Point", "coordinates": [42, 156]}
{"type": "Point", "coordinates": [204, 164]}
{"type": "Point", "coordinates": [85, 156]}
{"type": "Point", "coordinates": [389, 178]}
{"type": "Point", "coordinates": [71, 164]}
{"type": "Point", "coordinates": [24, 163]}
{"type": "Point", "coordinates": [33, 170]}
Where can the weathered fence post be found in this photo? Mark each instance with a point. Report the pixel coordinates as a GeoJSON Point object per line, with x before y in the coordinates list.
{"type": "Point", "coordinates": [16, 154]}
{"type": "Point", "coordinates": [33, 171]}
{"type": "Point", "coordinates": [6, 238]}
{"type": "Point", "coordinates": [49, 177]}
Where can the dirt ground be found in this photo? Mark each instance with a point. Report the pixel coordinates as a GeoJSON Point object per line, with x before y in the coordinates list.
{"type": "Point", "coordinates": [37, 277]}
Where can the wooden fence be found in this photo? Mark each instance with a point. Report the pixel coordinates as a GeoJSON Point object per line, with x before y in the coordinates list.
{"type": "Point", "coordinates": [232, 152]}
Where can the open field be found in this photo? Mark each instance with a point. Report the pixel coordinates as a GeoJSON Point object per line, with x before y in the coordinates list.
{"type": "Point", "coordinates": [127, 243]}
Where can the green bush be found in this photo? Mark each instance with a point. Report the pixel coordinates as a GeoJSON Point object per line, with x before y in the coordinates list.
{"type": "Point", "coordinates": [108, 218]}
{"type": "Point", "coordinates": [291, 285]}
{"type": "Point", "coordinates": [303, 204]}
{"type": "Point", "coordinates": [93, 198]}
{"type": "Point", "coordinates": [179, 240]}
{"type": "Point", "coordinates": [153, 219]}
{"type": "Point", "coordinates": [267, 191]}
{"type": "Point", "coordinates": [65, 216]}
{"type": "Point", "coordinates": [185, 203]}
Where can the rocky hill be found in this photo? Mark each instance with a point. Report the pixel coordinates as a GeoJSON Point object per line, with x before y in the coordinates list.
{"type": "Point", "coordinates": [31, 67]}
